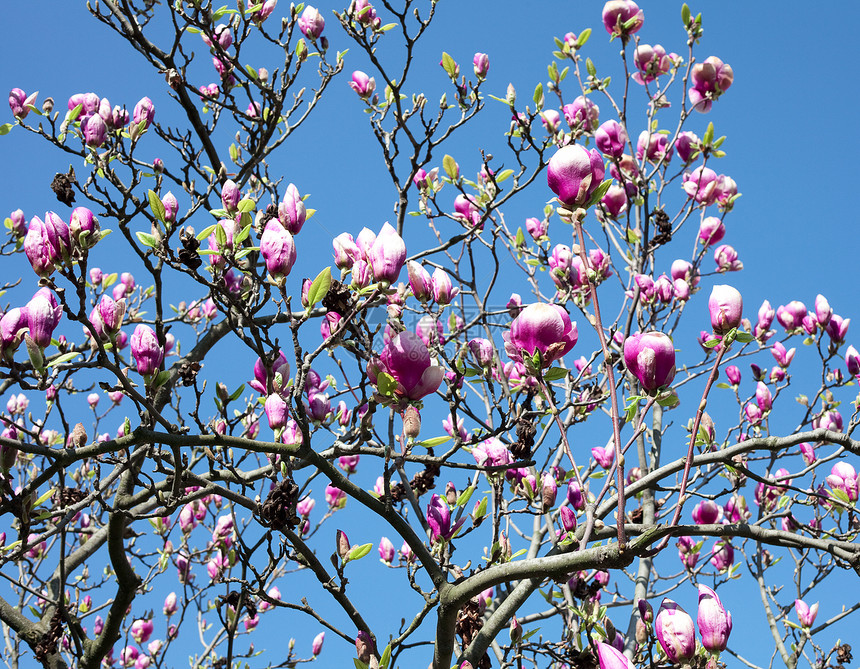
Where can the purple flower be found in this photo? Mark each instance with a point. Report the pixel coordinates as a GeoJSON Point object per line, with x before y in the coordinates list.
{"type": "Point", "coordinates": [686, 145]}
{"type": "Point", "coordinates": [537, 228]}
{"type": "Point", "coordinates": [726, 307]}
{"type": "Point", "coordinates": [843, 477]}
{"type": "Point", "coordinates": [316, 646]}
{"type": "Point", "coordinates": [805, 614]}
{"type": "Point", "coordinates": [95, 130]}
{"type": "Point", "coordinates": [654, 146]}
{"type": "Point", "coordinates": [652, 62]}
{"type": "Point", "coordinates": [700, 184]}
{"type": "Point", "coordinates": [18, 103]}
{"type": "Point", "coordinates": [715, 622]}
{"type": "Point", "coordinates": [278, 250]}
{"type": "Point", "coordinates": [611, 139]}
{"type": "Point", "coordinates": [723, 556]}
{"type": "Point", "coordinates": [230, 196]}
{"type": "Point", "coordinates": [675, 632]}
{"type": "Point", "coordinates": [481, 62]}
{"type": "Point", "coordinates": [574, 173]}
{"type": "Point", "coordinates": [707, 512]}
{"type": "Point", "coordinates": [617, 14]}
{"type": "Point", "coordinates": [291, 210]}
{"type": "Point", "coordinates": [837, 328]}
{"type": "Point", "coordinates": [439, 520]}
{"type": "Point", "coordinates": [615, 201]}
{"type": "Point", "coordinates": [276, 411]}
{"type": "Point", "coordinates": [543, 328]}
{"type": "Point", "coordinates": [492, 453]}
{"type": "Point", "coordinates": [362, 84]}
{"type": "Point", "coordinates": [406, 359]}
{"type": "Point", "coordinates": [711, 231]}
{"type": "Point", "coordinates": [40, 247]}
{"type": "Point", "coordinates": [791, 315]}
{"type": "Point", "coordinates": [311, 23]}
{"type": "Point", "coordinates": [604, 455]}
{"type": "Point", "coordinates": [419, 281]}
{"type": "Point", "coordinates": [146, 350]}
{"type": "Point", "coordinates": [144, 111]}
{"type": "Point", "coordinates": [387, 255]}
{"type": "Point", "coordinates": [852, 361]}
{"type": "Point", "coordinates": [608, 656]}
{"type": "Point", "coordinates": [386, 550]}
{"type": "Point", "coordinates": [482, 351]}
{"type": "Point", "coordinates": [711, 78]}
{"type": "Point", "coordinates": [582, 113]}
{"type": "Point", "coordinates": [443, 290]}
{"type": "Point", "coordinates": [42, 315]}
{"type": "Point", "coordinates": [109, 315]}
{"type": "Point", "coordinates": [650, 357]}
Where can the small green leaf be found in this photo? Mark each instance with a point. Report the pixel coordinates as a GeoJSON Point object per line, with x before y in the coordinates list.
{"type": "Point", "coordinates": [464, 497]}
{"type": "Point", "coordinates": [555, 373]}
{"type": "Point", "coordinates": [590, 67]}
{"type": "Point", "coordinates": [481, 511]}
{"type": "Point", "coordinates": [147, 239]}
{"type": "Point", "coordinates": [387, 27]}
{"type": "Point", "coordinates": [712, 343]}
{"type": "Point", "coordinates": [73, 115]}
{"type": "Point", "coordinates": [156, 205]}
{"type": "Point", "coordinates": [709, 135]}
{"type": "Point", "coordinates": [386, 657]}
{"type": "Point", "coordinates": [450, 167]}
{"type": "Point", "coordinates": [743, 337]}
{"type": "Point", "coordinates": [205, 232]}
{"type": "Point", "coordinates": [449, 65]}
{"type": "Point", "coordinates": [685, 15]}
{"type": "Point", "coordinates": [42, 499]}
{"type": "Point", "coordinates": [385, 383]}
{"type": "Point", "coordinates": [247, 205]}
{"type": "Point", "coordinates": [220, 236]}
{"type": "Point", "coordinates": [434, 441]}
{"type": "Point", "coordinates": [358, 552]}
{"type": "Point", "coordinates": [5, 128]}
{"type": "Point", "coordinates": [503, 176]}
{"type": "Point", "coordinates": [583, 38]}
{"type": "Point", "coordinates": [242, 236]}
{"type": "Point", "coordinates": [722, 384]}
{"type": "Point", "coordinates": [537, 96]}
{"type": "Point", "coordinates": [319, 287]}
{"type": "Point", "coordinates": [219, 213]}
{"type": "Point", "coordinates": [521, 238]}
{"type": "Point", "coordinates": [358, 663]}
{"type": "Point", "coordinates": [598, 194]}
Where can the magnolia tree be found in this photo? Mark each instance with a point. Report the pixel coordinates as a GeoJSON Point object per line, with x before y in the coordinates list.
{"type": "Point", "coordinates": [496, 408]}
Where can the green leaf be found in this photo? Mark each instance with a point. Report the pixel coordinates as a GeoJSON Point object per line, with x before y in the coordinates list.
{"type": "Point", "coordinates": [555, 373]}
{"type": "Point", "coordinates": [319, 287]}
{"type": "Point", "coordinates": [449, 65]}
{"type": "Point", "coordinates": [520, 240]}
{"type": "Point", "coordinates": [156, 205]}
{"type": "Point", "coordinates": [220, 236]}
{"type": "Point", "coordinates": [685, 14]}
{"type": "Point", "coordinates": [481, 511]}
{"type": "Point", "coordinates": [450, 167]}
{"type": "Point", "coordinates": [743, 337]}
{"type": "Point", "coordinates": [73, 115]}
{"type": "Point", "coordinates": [712, 343]}
{"type": "Point", "coordinates": [359, 664]}
{"type": "Point", "coordinates": [598, 194]}
{"type": "Point", "coordinates": [147, 239]}
{"type": "Point", "coordinates": [204, 234]}
{"type": "Point", "coordinates": [387, 27]}
{"type": "Point", "coordinates": [385, 383]}
{"type": "Point", "coordinates": [219, 213]}
{"type": "Point", "coordinates": [242, 236]}
{"type": "Point", "coordinates": [503, 176]}
{"type": "Point", "coordinates": [386, 657]}
{"type": "Point", "coordinates": [722, 384]}
{"type": "Point", "coordinates": [590, 67]}
{"type": "Point", "coordinates": [521, 551]}
{"type": "Point", "coordinates": [709, 135]}
{"type": "Point", "coordinates": [464, 497]}
{"type": "Point", "coordinates": [632, 236]}
{"type": "Point", "coordinates": [5, 128]}
{"type": "Point", "coordinates": [358, 552]}
{"type": "Point", "coordinates": [537, 96]}
{"type": "Point", "coordinates": [247, 205]}
{"type": "Point", "coordinates": [583, 38]}
{"type": "Point", "coordinates": [434, 441]}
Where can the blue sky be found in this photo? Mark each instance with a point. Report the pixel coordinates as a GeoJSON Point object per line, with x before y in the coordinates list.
{"type": "Point", "coordinates": [789, 118]}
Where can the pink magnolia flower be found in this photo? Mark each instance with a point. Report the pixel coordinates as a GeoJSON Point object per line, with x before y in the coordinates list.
{"type": "Point", "coordinates": [715, 622]}
{"type": "Point", "coordinates": [650, 357]}
{"type": "Point", "coordinates": [406, 359]}
{"type": "Point", "coordinates": [619, 13]}
{"type": "Point", "coordinates": [492, 453]}
{"type": "Point", "coordinates": [311, 23]}
{"type": "Point", "coordinates": [543, 328]}
{"type": "Point", "coordinates": [675, 632]}
{"type": "Point", "coordinates": [611, 138]}
{"type": "Point", "coordinates": [726, 308]}
{"type": "Point", "coordinates": [710, 78]}
{"type": "Point", "coordinates": [805, 614]}
{"type": "Point", "coordinates": [574, 173]}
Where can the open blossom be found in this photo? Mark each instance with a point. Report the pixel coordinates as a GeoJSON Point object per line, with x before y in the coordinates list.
{"type": "Point", "coordinates": [687, 145]}
{"type": "Point", "coordinates": [574, 173]}
{"type": "Point", "coordinates": [791, 315]}
{"type": "Point", "coordinates": [654, 147]}
{"type": "Point", "coordinates": [700, 184]}
{"type": "Point", "coordinates": [604, 455]}
{"type": "Point", "coordinates": [544, 328]}
{"type": "Point", "coordinates": [582, 113]}
{"type": "Point", "coordinates": [710, 78]}
{"type": "Point", "coordinates": [492, 453]}
{"type": "Point", "coordinates": [843, 477]}
{"type": "Point", "coordinates": [651, 61]}
{"type": "Point", "coordinates": [406, 359]}
{"type": "Point", "coordinates": [439, 520]}
{"type": "Point", "coordinates": [362, 84]}
{"type": "Point", "coordinates": [805, 614]}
